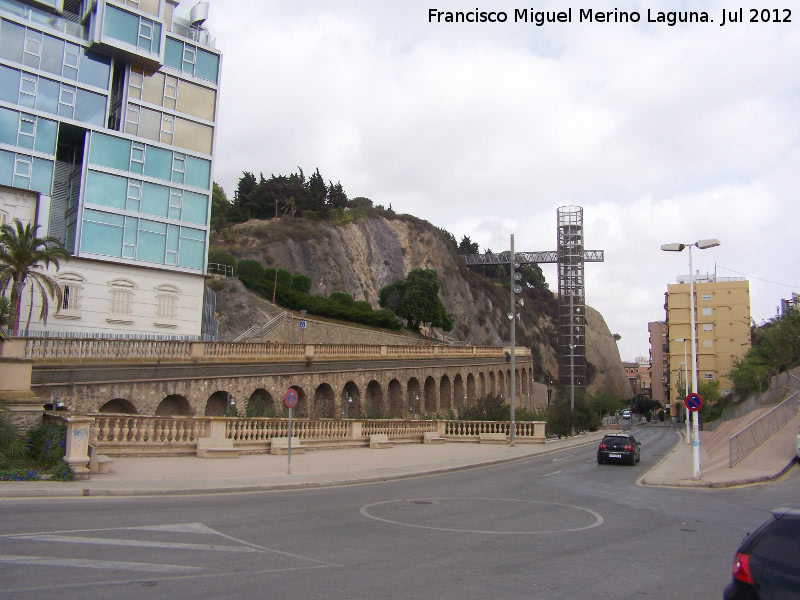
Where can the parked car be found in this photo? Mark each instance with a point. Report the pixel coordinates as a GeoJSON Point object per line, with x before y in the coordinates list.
{"type": "Point", "coordinates": [767, 563]}
{"type": "Point", "coordinates": [618, 447]}
{"type": "Point", "coordinates": [626, 414]}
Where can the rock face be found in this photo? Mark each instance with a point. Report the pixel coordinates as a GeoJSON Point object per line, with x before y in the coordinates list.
{"type": "Point", "coordinates": [362, 257]}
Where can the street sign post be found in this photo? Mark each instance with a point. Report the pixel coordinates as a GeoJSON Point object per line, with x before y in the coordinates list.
{"type": "Point", "coordinates": [302, 332]}
{"type": "Point", "coordinates": [290, 399]}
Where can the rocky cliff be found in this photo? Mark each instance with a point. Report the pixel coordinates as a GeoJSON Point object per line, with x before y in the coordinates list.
{"type": "Point", "coordinates": [368, 254]}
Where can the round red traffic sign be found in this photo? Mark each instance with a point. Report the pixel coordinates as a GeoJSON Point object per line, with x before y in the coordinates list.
{"type": "Point", "coordinates": [290, 399]}
{"type": "Point", "coordinates": [694, 402]}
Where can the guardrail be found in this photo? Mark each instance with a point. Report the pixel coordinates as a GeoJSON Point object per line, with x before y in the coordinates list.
{"type": "Point", "coordinates": [66, 349]}
{"type": "Point", "coordinates": [751, 437]}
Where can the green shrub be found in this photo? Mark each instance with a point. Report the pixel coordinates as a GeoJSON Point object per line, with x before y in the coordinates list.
{"type": "Point", "coordinates": [250, 271]}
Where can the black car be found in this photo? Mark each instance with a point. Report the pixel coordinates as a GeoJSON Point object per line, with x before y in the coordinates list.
{"type": "Point", "coordinates": [618, 447]}
{"type": "Point", "coordinates": [767, 563]}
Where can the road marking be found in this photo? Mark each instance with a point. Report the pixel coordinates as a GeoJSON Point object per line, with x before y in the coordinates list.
{"type": "Point", "coordinates": [136, 543]}
{"type": "Point", "coordinates": [43, 561]}
{"type": "Point", "coordinates": [563, 458]}
{"type": "Point", "coordinates": [553, 473]}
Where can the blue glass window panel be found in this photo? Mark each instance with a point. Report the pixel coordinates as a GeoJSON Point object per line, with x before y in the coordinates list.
{"type": "Point", "coordinates": [47, 95]}
{"type": "Point", "coordinates": [42, 176]}
{"type": "Point", "coordinates": [12, 41]}
{"type": "Point", "coordinates": [131, 230]}
{"type": "Point", "coordinates": [158, 163]}
{"type": "Point", "coordinates": [94, 69]}
{"type": "Point", "coordinates": [198, 172]}
{"type": "Point", "coordinates": [173, 237]}
{"type": "Point", "coordinates": [155, 199]}
{"type": "Point", "coordinates": [9, 121]}
{"type": "Point", "coordinates": [207, 65]}
{"type": "Point", "coordinates": [151, 246]}
{"type": "Point", "coordinates": [9, 84]}
{"type": "Point", "coordinates": [46, 135]}
{"type": "Point", "coordinates": [27, 131]}
{"type": "Point", "coordinates": [178, 168]}
{"type": "Point", "coordinates": [90, 108]}
{"type": "Point", "coordinates": [106, 190]}
{"type": "Point", "coordinates": [193, 248]}
{"type": "Point", "coordinates": [102, 233]}
{"type": "Point", "coordinates": [110, 152]}
{"type": "Point", "coordinates": [121, 25]}
{"type": "Point", "coordinates": [153, 226]}
{"type": "Point", "coordinates": [173, 53]}
{"type": "Point", "coordinates": [52, 55]}
{"type": "Point", "coordinates": [195, 208]}
{"type": "Point", "coordinates": [6, 167]}
{"type": "Point", "coordinates": [155, 42]}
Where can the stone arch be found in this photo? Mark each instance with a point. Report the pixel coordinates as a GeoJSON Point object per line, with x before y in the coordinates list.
{"type": "Point", "coordinates": [492, 385]}
{"type": "Point", "coordinates": [396, 399]}
{"type": "Point", "coordinates": [324, 402]}
{"type": "Point", "coordinates": [459, 392]}
{"type": "Point", "coordinates": [119, 406]}
{"type": "Point", "coordinates": [174, 405]}
{"type": "Point", "coordinates": [501, 383]}
{"type": "Point", "coordinates": [482, 383]}
{"type": "Point", "coordinates": [470, 389]}
{"type": "Point", "coordinates": [260, 404]}
{"type": "Point", "coordinates": [374, 399]}
{"type": "Point", "coordinates": [350, 402]}
{"type": "Point", "coordinates": [217, 404]}
{"type": "Point", "coordinates": [445, 393]}
{"type": "Point", "coordinates": [430, 395]}
{"type": "Point", "coordinates": [413, 395]}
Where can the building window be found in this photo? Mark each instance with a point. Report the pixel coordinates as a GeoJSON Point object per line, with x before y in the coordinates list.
{"type": "Point", "coordinates": [708, 343]}
{"type": "Point", "coordinates": [121, 301]}
{"type": "Point", "coordinates": [71, 292]}
{"type": "Point", "coordinates": [706, 312]}
{"type": "Point", "coordinates": [166, 306]}
{"type": "Point", "coordinates": [706, 296]}
{"type": "Point", "coordinates": [708, 327]}
{"type": "Point", "coordinates": [709, 375]}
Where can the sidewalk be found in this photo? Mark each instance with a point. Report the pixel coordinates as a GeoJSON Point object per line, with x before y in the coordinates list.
{"type": "Point", "coordinates": [322, 468]}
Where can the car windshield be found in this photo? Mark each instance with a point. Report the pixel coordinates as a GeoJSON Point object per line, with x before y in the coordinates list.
{"type": "Point", "coordinates": [616, 441]}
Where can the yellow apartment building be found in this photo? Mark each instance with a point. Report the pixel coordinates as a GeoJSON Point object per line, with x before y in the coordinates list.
{"type": "Point", "coordinates": [722, 328]}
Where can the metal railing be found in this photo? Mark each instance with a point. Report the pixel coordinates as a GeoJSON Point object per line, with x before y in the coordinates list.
{"type": "Point", "coordinates": [262, 329]}
{"type": "Point", "coordinates": [220, 269]}
{"type": "Point", "coordinates": [751, 437]}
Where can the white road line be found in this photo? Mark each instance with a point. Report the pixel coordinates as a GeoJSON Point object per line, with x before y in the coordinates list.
{"type": "Point", "coordinates": [553, 473]}
{"type": "Point", "coordinates": [96, 564]}
{"type": "Point", "coordinates": [109, 542]}
{"type": "Point", "coordinates": [563, 458]}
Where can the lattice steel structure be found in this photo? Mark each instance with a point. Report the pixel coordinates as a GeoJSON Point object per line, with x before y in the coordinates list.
{"type": "Point", "coordinates": [570, 258]}
{"type": "Point", "coordinates": [571, 298]}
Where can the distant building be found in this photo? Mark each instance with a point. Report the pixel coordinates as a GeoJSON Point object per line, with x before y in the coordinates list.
{"type": "Point", "coordinates": [638, 373]}
{"type": "Point", "coordinates": [659, 361]}
{"type": "Point", "coordinates": [789, 304]}
{"type": "Point", "coordinates": [107, 126]}
{"type": "Point", "coordinates": [722, 323]}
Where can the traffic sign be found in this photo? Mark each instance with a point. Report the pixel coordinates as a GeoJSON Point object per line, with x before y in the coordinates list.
{"type": "Point", "coordinates": [290, 399]}
{"type": "Point", "coordinates": [694, 402]}
{"type": "Point", "coordinates": [302, 324]}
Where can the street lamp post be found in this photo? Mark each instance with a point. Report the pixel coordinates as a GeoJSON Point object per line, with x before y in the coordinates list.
{"type": "Point", "coordinates": [686, 379]}
{"type": "Point", "coordinates": [702, 245]}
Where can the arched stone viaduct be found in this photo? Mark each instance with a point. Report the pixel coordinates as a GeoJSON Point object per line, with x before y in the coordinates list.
{"type": "Point", "coordinates": [370, 389]}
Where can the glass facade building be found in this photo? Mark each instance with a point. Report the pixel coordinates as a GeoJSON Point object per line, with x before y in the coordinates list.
{"type": "Point", "coordinates": [108, 112]}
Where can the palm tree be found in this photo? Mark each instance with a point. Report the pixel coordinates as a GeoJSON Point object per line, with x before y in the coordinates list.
{"type": "Point", "coordinates": [24, 256]}
{"type": "Point", "coordinates": [5, 317]}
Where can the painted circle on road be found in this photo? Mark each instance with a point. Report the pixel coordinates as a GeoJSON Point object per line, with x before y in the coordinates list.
{"type": "Point", "coordinates": [520, 517]}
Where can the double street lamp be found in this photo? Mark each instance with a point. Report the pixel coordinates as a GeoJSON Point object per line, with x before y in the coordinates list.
{"type": "Point", "coordinates": [702, 245]}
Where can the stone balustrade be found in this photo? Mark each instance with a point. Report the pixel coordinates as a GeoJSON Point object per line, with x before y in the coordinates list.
{"type": "Point", "coordinates": [68, 349]}
{"type": "Point", "coordinates": [118, 434]}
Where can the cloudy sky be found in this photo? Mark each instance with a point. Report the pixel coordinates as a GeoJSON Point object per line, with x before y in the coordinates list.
{"type": "Point", "coordinates": [661, 133]}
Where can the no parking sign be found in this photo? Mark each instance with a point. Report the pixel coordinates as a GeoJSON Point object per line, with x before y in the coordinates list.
{"type": "Point", "coordinates": [694, 402]}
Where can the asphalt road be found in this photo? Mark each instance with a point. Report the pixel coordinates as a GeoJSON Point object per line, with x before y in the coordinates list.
{"type": "Point", "coordinates": [549, 527]}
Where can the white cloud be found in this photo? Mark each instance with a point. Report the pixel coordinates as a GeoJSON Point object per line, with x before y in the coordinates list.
{"type": "Point", "coordinates": [661, 133]}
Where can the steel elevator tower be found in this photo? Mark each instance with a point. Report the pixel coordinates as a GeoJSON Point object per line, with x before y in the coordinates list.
{"type": "Point", "coordinates": [570, 257]}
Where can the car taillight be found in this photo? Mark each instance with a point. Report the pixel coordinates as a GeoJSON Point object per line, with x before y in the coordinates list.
{"type": "Point", "coordinates": [741, 568]}
{"type": "Point", "coordinates": [602, 446]}
{"type": "Point", "coordinates": [629, 448]}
